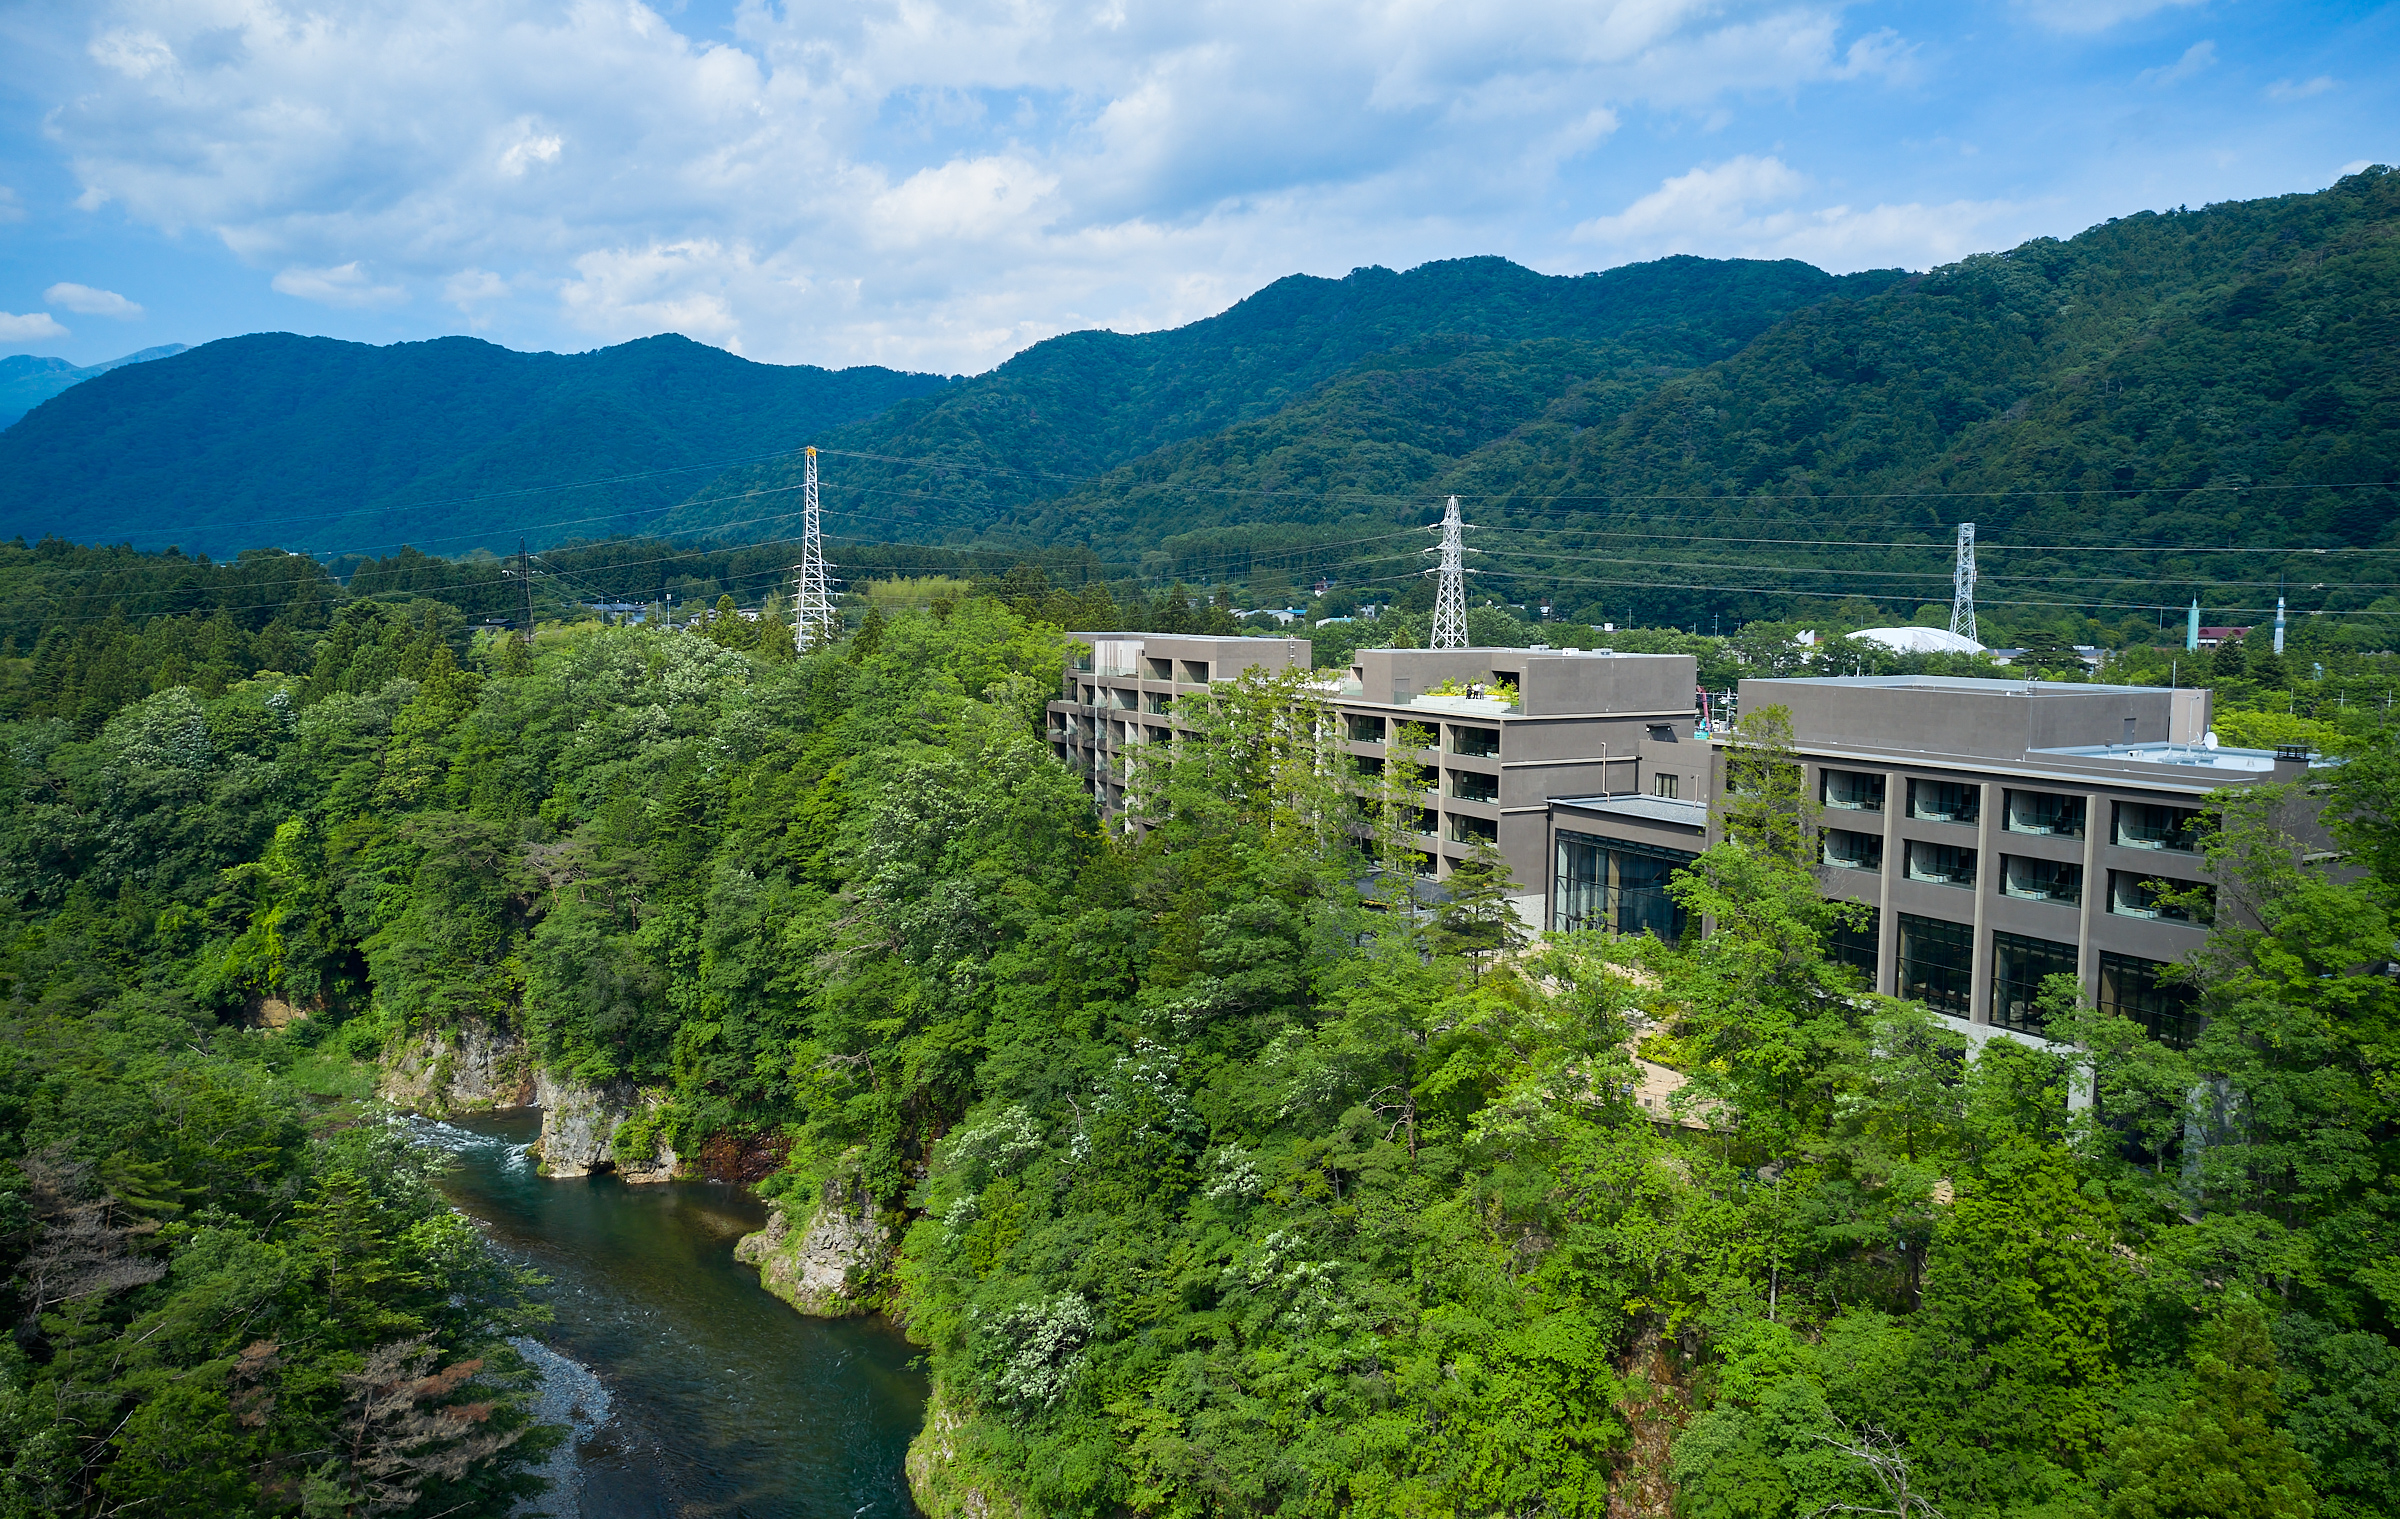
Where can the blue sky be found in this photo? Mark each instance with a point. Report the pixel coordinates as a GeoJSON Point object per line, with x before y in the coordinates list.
{"type": "Point", "coordinates": [934, 184]}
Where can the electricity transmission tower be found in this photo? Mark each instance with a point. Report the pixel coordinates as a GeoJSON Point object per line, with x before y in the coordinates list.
{"type": "Point", "coordinates": [524, 595]}
{"type": "Point", "coordinates": [1450, 596]}
{"type": "Point", "coordinates": [813, 622]}
{"type": "Point", "coordinates": [1962, 585]}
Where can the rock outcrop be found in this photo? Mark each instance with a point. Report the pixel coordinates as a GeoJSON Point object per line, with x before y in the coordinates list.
{"type": "Point", "coordinates": [473, 1068]}
{"type": "Point", "coordinates": [944, 1482]}
{"type": "Point", "coordinates": [833, 1265]}
{"type": "Point", "coordinates": [580, 1125]}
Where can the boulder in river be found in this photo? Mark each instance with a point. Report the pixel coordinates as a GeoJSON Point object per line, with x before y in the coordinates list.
{"type": "Point", "coordinates": [832, 1266]}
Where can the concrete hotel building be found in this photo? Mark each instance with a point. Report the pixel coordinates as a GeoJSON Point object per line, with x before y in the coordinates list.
{"type": "Point", "coordinates": [1608, 729]}
{"type": "Point", "coordinates": [2007, 830]}
{"type": "Point", "coordinates": [2001, 830]}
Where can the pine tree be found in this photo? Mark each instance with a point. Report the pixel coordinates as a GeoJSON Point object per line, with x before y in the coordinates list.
{"type": "Point", "coordinates": [2219, 1456]}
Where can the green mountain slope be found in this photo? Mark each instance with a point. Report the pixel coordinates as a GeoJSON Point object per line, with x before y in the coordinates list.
{"type": "Point", "coordinates": [451, 444]}
{"type": "Point", "coordinates": [977, 457]}
{"type": "Point", "coordinates": [27, 380]}
{"type": "Point", "coordinates": [2189, 381]}
{"type": "Point", "coordinates": [2225, 377]}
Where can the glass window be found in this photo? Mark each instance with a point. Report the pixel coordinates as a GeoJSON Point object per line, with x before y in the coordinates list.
{"type": "Point", "coordinates": [1853, 791]}
{"type": "Point", "coordinates": [1937, 963]}
{"type": "Point", "coordinates": [1195, 672]}
{"type": "Point", "coordinates": [2041, 880]}
{"type": "Point", "coordinates": [2153, 825]}
{"type": "Point", "coordinates": [1857, 948]}
{"type": "Point", "coordinates": [2136, 989]}
{"type": "Point", "coordinates": [1428, 821]}
{"type": "Point", "coordinates": [1474, 786]}
{"type": "Point", "coordinates": [1473, 830]}
{"type": "Point", "coordinates": [2018, 965]}
{"type": "Point", "coordinates": [1663, 785]}
{"type": "Point", "coordinates": [1368, 766]}
{"type": "Point", "coordinates": [1160, 669]}
{"type": "Point", "coordinates": [1615, 884]}
{"type": "Point", "coordinates": [1943, 864]}
{"type": "Point", "coordinates": [2132, 894]}
{"type": "Point", "coordinates": [1945, 801]}
{"type": "Point", "coordinates": [1846, 850]}
{"type": "Point", "coordinates": [2045, 812]}
{"type": "Point", "coordinates": [1482, 743]}
{"type": "Point", "coordinates": [1366, 729]}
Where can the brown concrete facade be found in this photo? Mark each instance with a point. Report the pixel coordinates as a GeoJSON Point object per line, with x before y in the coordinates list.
{"type": "Point", "coordinates": [2012, 817]}
{"type": "Point", "coordinates": [1584, 724]}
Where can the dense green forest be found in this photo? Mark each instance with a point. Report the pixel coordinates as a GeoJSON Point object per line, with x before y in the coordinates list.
{"type": "Point", "coordinates": [1229, 1183]}
{"type": "Point", "coordinates": [453, 444]}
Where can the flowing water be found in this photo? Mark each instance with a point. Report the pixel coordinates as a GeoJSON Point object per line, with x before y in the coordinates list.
{"type": "Point", "coordinates": [692, 1392]}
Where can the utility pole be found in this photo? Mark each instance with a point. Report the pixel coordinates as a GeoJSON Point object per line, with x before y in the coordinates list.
{"type": "Point", "coordinates": [1962, 585]}
{"type": "Point", "coordinates": [524, 595]}
{"type": "Point", "coordinates": [813, 623]}
{"type": "Point", "coordinates": [1450, 595]}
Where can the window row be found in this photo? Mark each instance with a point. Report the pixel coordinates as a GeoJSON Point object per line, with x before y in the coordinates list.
{"type": "Point", "coordinates": [1476, 743]}
{"type": "Point", "coordinates": [2139, 825]}
{"type": "Point", "coordinates": [1935, 965]}
{"type": "Point", "coordinates": [2131, 893]}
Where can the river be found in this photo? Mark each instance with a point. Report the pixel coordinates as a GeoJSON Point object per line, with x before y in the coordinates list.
{"type": "Point", "coordinates": [692, 1392]}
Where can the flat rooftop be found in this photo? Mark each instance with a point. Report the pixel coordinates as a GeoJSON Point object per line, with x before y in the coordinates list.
{"type": "Point", "coordinates": [2194, 756]}
{"type": "Point", "coordinates": [1965, 685]}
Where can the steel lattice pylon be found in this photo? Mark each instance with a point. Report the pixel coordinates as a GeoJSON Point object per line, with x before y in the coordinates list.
{"type": "Point", "coordinates": [1962, 585]}
{"type": "Point", "coordinates": [813, 620]}
{"type": "Point", "coordinates": [1450, 596]}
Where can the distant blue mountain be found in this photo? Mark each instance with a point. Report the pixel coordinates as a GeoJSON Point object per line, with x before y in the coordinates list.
{"type": "Point", "coordinates": [27, 380]}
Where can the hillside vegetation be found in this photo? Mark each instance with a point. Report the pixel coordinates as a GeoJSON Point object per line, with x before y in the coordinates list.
{"type": "Point", "coordinates": [453, 444]}
{"type": "Point", "coordinates": [1229, 1185]}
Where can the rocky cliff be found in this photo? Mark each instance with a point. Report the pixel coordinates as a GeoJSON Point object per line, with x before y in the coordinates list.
{"type": "Point", "coordinates": [833, 1265]}
{"type": "Point", "coordinates": [471, 1069]}
{"type": "Point", "coordinates": [581, 1126]}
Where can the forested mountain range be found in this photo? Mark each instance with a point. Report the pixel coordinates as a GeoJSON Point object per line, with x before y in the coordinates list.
{"type": "Point", "coordinates": [1671, 442]}
{"type": "Point", "coordinates": [453, 444]}
{"type": "Point", "coordinates": [27, 380]}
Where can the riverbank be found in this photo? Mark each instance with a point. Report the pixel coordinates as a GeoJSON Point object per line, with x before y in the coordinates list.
{"type": "Point", "coordinates": [718, 1398]}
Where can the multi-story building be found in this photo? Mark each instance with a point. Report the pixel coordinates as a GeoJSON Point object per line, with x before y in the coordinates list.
{"type": "Point", "coordinates": [1497, 734]}
{"type": "Point", "coordinates": [2005, 830]}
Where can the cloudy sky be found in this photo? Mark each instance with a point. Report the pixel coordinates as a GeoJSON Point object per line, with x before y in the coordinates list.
{"type": "Point", "coordinates": [933, 184]}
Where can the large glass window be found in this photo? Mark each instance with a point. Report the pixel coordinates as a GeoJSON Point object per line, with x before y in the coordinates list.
{"type": "Point", "coordinates": [1159, 669]}
{"type": "Point", "coordinates": [1853, 791]}
{"type": "Point", "coordinates": [2041, 880]}
{"type": "Point", "coordinates": [1846, 850]}
{"type": "Point", "coordinates": [1858, 948]}
{"type": "Point", "coordinates": [1473, 830]}
{"type": "Point", "coordinates": [2136, 989]}
{"type": "Point", "coordinates": [1195, 672]}
{"type": "Point", "coordinates": [2045, 812]}
{"type": "Point", "coordinates": [1366, 729]}
{"type": "Point", "coordinates": [1483, 743]}
{"type": "Point", "coordinates": [2154, 825]}
{"type": "Point", "coordinates": [1937, 963]}
{"type": "Point", "coordinates": [2019, 963]}
{"type": "Point", "coordinates": [1943, 864]}
{"type": "Point", "coordinates": [2132, 894]}
{"type": "Point", "coordinates": [1945, 801]}
{"type": "Point", "coordinates": [1474, 786]}
{"type": "Point", "coordinates": [1615, 884]}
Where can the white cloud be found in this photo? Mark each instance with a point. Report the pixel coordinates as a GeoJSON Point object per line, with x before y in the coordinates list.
{"type": "Point", "coordinates": [11, 208]}
{"type": "Point", "coordinates": [2196, 58]}
{"type": "Point", "coordinates": [33, 327]}
{"type": "Point", "coordinates": [2084, 16]}
{"type": "Point", "coordinates": [1745, 208]}
{"type": "Point", "coordinates": [342, 285]}
{"type": "Point", "coordinates": [924, 181]}
{"type": "Point", "coordinates": [91, 302]}
{"type": "Point", "coordinates": [2285, 90]}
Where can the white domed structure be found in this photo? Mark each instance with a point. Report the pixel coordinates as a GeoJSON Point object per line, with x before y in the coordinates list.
{"type": "Point", "coordinates": [1919, 640]}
